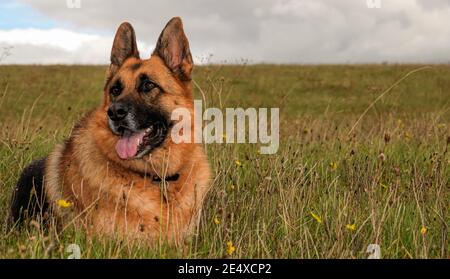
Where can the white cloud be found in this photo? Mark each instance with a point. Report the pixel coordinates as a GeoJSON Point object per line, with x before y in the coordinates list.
{"type": "Point", "coordinates": [57, 46]}
{"type": "Point", "coordinates": [59, 38]}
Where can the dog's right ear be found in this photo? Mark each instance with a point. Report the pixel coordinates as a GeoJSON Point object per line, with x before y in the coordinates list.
{"type": "Point", "coordinates": [124, 46]}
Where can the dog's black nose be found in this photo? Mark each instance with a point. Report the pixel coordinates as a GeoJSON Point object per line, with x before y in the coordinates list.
{"type": "Point", "coordinates": [117, 111]}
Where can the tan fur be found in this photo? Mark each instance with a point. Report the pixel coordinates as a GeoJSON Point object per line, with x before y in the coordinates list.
{"type": "Point", "coordinates": [112, 196]}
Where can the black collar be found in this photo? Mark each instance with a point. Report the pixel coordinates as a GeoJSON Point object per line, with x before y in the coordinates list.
{"type": "Point", "coordinates": [157, 178]}
{"type": "Point", "coordinates": [174, 177]}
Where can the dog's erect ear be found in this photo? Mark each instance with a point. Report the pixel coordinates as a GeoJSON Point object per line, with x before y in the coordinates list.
{"type": "Point", "coordinates": [173, 48]}
{"type": "Point", "coordinates": [124, 46]}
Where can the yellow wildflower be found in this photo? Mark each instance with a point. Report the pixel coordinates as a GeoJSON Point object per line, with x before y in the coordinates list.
{"type": "Point", "coordinates": [64, 203]}
{"type": "Point", "coordinates": [333, 165]}
{"type": "Point", "coordinates": [423, 230]}
{"type": "Point", "coordinates": [407, 136]}
{"type": "Point", "coordinates": [316, 217]}
{"type": "Point", "coordinates": [351, 227]}
{"type": "Point", "coordinates": [238, 163]}
{"type": "Point", "coordinates": [230, 248]}
{"type": "Point", "coordinates": [216, 220]}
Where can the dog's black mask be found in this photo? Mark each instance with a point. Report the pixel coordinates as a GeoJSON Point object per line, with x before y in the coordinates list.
{"type": "Point", "coordinates": [140, 127]}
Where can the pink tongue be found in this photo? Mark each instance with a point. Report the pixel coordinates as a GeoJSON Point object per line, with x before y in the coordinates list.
{"type": "Point", "coordinates": [126, 146]}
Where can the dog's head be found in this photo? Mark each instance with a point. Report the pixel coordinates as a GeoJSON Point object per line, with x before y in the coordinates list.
{"type": "Point", "coordinates": [140, 94]}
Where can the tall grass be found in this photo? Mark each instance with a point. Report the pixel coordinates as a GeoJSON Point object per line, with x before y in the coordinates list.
{"type": "Point", "coordinates": [329, 192]}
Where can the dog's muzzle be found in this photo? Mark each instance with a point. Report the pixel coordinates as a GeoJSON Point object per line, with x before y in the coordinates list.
{"type": "Point", "coordinates": [140, 129]}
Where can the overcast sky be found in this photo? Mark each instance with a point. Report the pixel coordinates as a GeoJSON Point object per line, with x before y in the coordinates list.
{"type": "Point", "coordinates": [270, 31]}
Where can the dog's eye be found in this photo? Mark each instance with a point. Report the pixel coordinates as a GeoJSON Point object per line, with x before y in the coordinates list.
{"type": "Point", "coordinates": [147, 86]}
{"type": "Point", "coordinates": [116, 88]}
{"type": "Point", "coordinates": [115, 91]}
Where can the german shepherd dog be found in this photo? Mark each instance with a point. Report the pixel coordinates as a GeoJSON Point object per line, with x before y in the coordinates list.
{"type": "Point", "coordinates": [119, 172]}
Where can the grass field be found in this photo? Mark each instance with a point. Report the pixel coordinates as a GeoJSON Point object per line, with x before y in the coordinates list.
{"type": "Point", "coordinates": [329, 192]}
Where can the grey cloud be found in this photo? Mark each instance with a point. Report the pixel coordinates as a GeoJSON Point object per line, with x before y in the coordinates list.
{"type": "Point", "coordinates": [279, 31]}
{"type": "Point", "coordinates": [433, 4]}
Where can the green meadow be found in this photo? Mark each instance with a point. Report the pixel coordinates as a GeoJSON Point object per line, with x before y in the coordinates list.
{"type": "Point", "coordinates": [363, 159]}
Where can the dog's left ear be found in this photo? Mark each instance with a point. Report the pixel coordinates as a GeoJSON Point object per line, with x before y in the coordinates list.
{"type": "Point", "coordinates": [173, 49]}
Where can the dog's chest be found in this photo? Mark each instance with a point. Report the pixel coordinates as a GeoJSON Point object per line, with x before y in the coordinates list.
{"type": "Point", "coordinates": [146, 207]}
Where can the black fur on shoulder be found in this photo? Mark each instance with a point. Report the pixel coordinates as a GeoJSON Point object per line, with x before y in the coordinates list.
{"type": "Point", "coordinates": [28, 197]}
